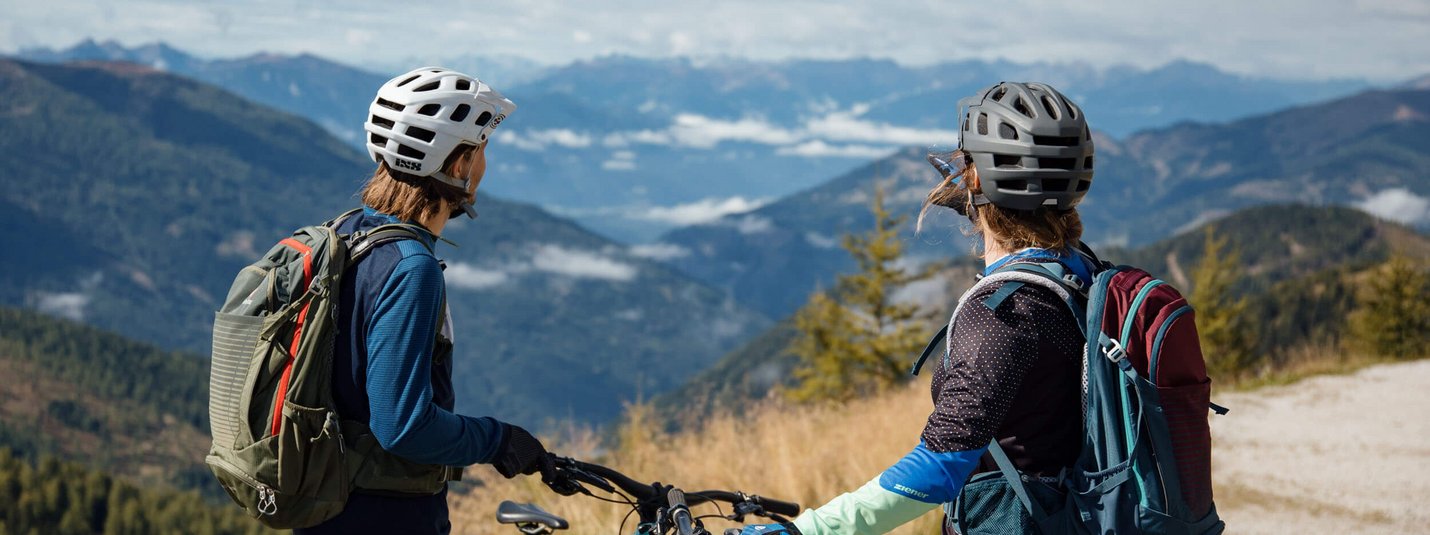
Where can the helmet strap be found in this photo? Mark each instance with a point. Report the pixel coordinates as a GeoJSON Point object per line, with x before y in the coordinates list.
{"type": "Point", "coordinates": [463, 207]}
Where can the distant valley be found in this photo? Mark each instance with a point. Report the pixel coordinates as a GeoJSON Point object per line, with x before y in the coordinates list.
{"type": "Point", "coordinates": [632, 147]}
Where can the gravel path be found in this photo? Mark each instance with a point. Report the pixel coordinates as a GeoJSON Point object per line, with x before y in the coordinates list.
{"type": "Point", "coordinates": [1330, 454]}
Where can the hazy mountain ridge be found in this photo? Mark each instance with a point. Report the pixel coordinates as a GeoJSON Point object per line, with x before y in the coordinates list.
{"type": "Point", "coordinates": [634, 146]}
{"type": "Point", "coordinates": [1370, 150]}
{"type": "Point", "coordinates": [164, 188]}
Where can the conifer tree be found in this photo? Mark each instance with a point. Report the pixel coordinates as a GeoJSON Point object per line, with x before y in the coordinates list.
{"type": "Point", "coordinates": [1392, 317]}
{"type": "Point", "coordinates": [855, 339]}
{"type": "Point", "coordinates": [1226, 333]}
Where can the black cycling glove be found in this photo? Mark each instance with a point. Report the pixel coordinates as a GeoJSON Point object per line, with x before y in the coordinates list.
{"type": "Point", "coordinates": [520, 453]}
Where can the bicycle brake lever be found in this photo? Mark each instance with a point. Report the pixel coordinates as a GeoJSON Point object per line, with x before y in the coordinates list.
{"type": "Point", "coordinates": [567, 467]}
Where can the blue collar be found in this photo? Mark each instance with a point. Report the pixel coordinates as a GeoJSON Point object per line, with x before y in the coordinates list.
{"type": "Point", "coordinates": [1072, 261]}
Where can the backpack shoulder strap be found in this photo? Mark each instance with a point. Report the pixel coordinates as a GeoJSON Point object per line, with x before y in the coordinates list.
{"type": "Point", "coordinates": [1011, 280]}
{"type": "Point", "coordinates": [1050, 275]}
{"type": "Point", "coordinates": [362, 243]}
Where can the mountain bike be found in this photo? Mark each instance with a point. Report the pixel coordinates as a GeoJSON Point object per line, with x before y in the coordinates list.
{"type": "Point", "coordinates": [661, 508]}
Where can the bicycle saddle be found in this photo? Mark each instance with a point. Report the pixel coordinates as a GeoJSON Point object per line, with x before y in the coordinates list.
{"type": "Point", "coordinates": [510, 512]}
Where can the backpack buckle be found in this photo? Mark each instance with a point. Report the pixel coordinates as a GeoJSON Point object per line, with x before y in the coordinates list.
{"type": "Point", "coordinates": [1114, 351]}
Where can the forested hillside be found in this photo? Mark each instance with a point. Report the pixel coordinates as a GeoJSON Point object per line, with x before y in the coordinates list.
{"type": "Point", "coordinates": [65, 498]}
{"type": "Point", "coordinates": [81, 394]}
{"type": "Point", "coordinates": [134, 196]}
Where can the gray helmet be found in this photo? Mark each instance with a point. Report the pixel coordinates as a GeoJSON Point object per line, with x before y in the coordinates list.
{"type": "Point", "coordinates": [1030, 144]}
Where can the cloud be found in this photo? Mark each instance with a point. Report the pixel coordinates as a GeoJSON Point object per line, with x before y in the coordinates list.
{"type": "Point", "coordinates": [847, 126]}
{"type": "Point", "coordinates": [469, 277]}
{"type": "Point", "coordinates": [621, 160]}
{"type": "Point", "coordinates": [693, 130]}
{"type": "Point", "coordinates": [538, 259]}
{"type": "Point", "coordinates": [1399, 205]}
{"type": "Point", "coordinates": [1385, 38]}
{"type": "Point", "coordinates": [663, 252]}
{"type": "Point", "coordinates": [752, 224]}
{"type": "Point", "coordinates": [701, 211]}
{"type": "Point", "coordinates": [820, 149]}
{"type": "Point", "coordinates": [580, 264]}
{"type": "Point", "coordinates": [538, 140]}
{"type": "Point", "coordinates": [821, 241]}
{"type": "Point", "coordinates": [836, 133]}
{"type": "Point", "coordinates": [66, 305]}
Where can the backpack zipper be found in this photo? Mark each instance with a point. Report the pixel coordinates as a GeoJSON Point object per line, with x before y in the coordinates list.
{"type": "Point", "coordinates": [267, 497]}
{"type": "Point", "coordinates": [282, 393]}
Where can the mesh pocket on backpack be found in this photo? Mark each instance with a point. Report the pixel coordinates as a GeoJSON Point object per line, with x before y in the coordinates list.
{"type": "Point", "coordinates": [1186, 409]}
{"type": "Point", "coordinates": [234, 342]}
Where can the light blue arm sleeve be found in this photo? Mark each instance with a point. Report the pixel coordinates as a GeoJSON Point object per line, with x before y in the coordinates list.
{"type": "Point", "coordinates": [915, 485]}
{"type": "Point", "coordinates": [400, 337]}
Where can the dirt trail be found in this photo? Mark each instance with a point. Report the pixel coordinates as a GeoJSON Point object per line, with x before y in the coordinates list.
{"type": "Point", "coordinates": [1330, 454]}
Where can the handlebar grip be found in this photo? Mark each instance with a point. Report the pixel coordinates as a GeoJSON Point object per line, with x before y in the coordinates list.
{"type": "Point", "coordinates": [779, 507]}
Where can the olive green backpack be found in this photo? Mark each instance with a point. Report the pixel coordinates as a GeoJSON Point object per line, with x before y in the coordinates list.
{"type": "Point", "coordinates": [278, 442]}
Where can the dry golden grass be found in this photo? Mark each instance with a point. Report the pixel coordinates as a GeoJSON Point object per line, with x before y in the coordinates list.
{"type": "Point", "coordinates": [811, 454]}
{"type": "Point", "coordinates": [807, 454]}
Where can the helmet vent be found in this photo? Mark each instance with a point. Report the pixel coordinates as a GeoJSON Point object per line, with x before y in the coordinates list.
{"type": "Point", "coordinates": [982, 124]}
{"type": "Point", "coordinates": [1057, 163]}
{"type": "Point", "coordinates": [1072, 110]}
{"type": "Point", "coordinates": [390, 104]}
{"type": "Point", "coordinates": [430, 110]}
{"type": "Point", "coordinates": [998, 94]}
{"type": "Point", "coordinates": [385, 123]}
{"type": "Point", "coordinates": [428, 86]}
{"type": "Point", "coordinates": [1087, 162]}
{"type": "Point", "coordinates": [1082, 185]}
{"type": "Point", "coordinates": [1055, 141]}
{"type": "Point", "coordinates": [410, 152]}
{"type": "Point", "coordinates": [377, 140]}
{"type": "Point", "coordinates": [421, 133]}
{"type": "Point", "coordinates": [460, 114]}
{"type": "Point", "coordinates": [1013, 185]}
{"type": "Point", "coordinates": [463, 85]}
{"type": "Point", "coordinates": [1050, 107]}
{"type": "Point", "coordinates": [408, 80]}
{"type": "Point", "coordinates": [1007, 132]}
{"type": "Point", "coordinates": [1055, 184]}
{"type": "Point", "coordinates": [483, 119]}
{"type": "Point", "coordinates": [1007, 160]}
{"type": "Point", "coordinates": [1021, 106]}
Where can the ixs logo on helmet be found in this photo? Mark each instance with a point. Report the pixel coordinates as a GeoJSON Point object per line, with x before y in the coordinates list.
{"type": "Point", "coordinates": [409, 164]}
{"type": "Point", "coordinates": [497, 121]}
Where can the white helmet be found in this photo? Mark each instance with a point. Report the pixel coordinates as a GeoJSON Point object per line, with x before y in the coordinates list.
{"type": "Point", "coordinates": [418, 118]}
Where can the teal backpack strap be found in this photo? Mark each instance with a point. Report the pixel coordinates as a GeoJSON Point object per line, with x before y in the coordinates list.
{"type": "Point", "coordinates": [1007, 289]}
{"type": "Point", "coordinates": [1015, 482]}
{"type": "Point", "coordinates": [936, 341]}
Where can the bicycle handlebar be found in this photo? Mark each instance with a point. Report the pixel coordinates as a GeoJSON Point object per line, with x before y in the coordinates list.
{"type": "Point", "coordinates": [645, 492]}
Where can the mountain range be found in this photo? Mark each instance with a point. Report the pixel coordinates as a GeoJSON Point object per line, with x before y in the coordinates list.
{"type": "Point", "coordinates": [631, 147]}
{"type": "Point", "coordinates": [1370, 150]}
{"type": "Point", "coordinates": [1302, 267]}
{"type": "Point", "coordinates": [134, 197]}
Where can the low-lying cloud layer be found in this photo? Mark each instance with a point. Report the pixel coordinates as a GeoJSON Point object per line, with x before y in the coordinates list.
{"type": "Point", "coordinates": [1399, 205]}
{"type": "Point", "coordinates": [701, 211]}
{"type": "Point", "coordinates": [838, 134]}
{"type": "Point", "coordinates": [542, 259]}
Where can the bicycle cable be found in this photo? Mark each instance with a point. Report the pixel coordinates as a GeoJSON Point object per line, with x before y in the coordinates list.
{"type": "Point", "coordinates": [624, 519]}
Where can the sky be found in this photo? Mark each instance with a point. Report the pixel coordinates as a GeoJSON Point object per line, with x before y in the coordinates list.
{"type": "Point", "coordinates": [1377, 40]}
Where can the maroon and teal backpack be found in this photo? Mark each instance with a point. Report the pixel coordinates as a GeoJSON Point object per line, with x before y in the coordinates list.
{"type": "Point", "coordinates": [1145, 465]}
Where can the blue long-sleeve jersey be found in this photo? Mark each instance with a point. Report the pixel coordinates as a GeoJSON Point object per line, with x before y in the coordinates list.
{"type": "Point", "coordinates": [384, 370]}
